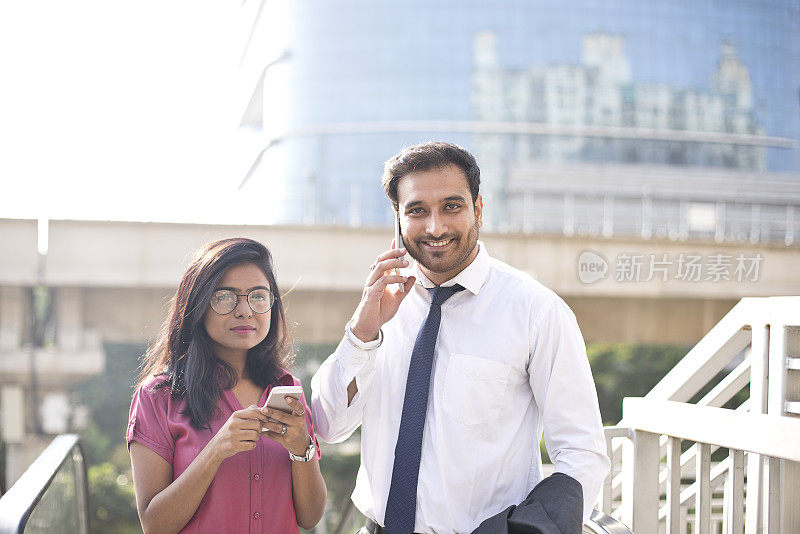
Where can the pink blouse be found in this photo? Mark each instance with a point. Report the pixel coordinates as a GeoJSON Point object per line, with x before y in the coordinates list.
{"type": "Point", "coordinates": [252, 490]}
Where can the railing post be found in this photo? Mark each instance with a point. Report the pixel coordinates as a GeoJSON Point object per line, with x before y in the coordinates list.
{"type": "Point", "coordinates": [608, 216]}
{"type": "Point", "coordinates": [702, 501]}
{"type": "Point", "coordinates": [733, 506]}
{"type": "Point", "coordinates": [790, 471]}
{"type": "Point", "coordinates": [775, 402]}
{"type": "Point", "coordinates": [640, 492]}
{"type": "Point", "coordinates": [790, 491]}
{"type": "Point", "coordinates": [569, 214]}
{"type": "Point", "coordinates": [776, 396]}
{"type": "Point", "coordinates": [771, 498]}
{"type": "Point", "coordinates": [606, 490]}
{"type": "Point", "coordinates": [759, 352]}
{"type": "Point", "coordinates": [673, 486]}
{"type": "Point", "coordinates": [784, 475]}
{"type": "Point", "coordinates": [527, 212]}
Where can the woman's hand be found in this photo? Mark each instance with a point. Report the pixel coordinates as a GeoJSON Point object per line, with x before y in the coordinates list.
{"type": "Point", "coordinates": [240, 432]}
{"type": "Point", "coordinates": [294, 438]}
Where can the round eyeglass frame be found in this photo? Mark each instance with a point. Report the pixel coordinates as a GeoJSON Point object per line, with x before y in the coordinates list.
{"type": "Point", "coordinates": [247, 296]}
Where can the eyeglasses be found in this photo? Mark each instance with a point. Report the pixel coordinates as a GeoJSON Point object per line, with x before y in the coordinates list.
{"type": "Point", "coordinates": [224, 301]}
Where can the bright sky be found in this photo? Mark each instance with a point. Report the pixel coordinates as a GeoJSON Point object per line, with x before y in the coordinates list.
{"type": "Point", "coordinates": [130, 110]}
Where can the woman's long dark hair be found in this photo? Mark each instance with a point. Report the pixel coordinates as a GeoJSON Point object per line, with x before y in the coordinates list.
{"type": "Point", "coordinates": [183, 350]}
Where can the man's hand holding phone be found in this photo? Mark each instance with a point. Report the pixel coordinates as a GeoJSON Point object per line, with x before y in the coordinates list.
{"type": "Point", "coordinates": [379, 303]}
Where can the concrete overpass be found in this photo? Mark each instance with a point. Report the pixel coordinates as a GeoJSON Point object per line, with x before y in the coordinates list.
{"type": "Point", "coordinates": [112, 279]}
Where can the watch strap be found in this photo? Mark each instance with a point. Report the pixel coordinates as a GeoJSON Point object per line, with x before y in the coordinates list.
{"type": "Point", "coordinates": [309, 455]}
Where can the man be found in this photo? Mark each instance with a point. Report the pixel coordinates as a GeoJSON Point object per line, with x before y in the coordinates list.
{"type": "Point", "coordinates": [454, 377]}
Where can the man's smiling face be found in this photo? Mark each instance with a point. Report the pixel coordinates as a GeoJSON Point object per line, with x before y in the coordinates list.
{"type": "Point", "coordinates": [439, 220]}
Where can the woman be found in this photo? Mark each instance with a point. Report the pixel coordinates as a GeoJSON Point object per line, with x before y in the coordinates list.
{"type": "Point", "coordinates": [205, 457]}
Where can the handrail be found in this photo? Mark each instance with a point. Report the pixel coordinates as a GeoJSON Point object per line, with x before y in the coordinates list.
{"type": "Point", "coordinates": [763, 463]}
{"type": "Point", "coordinates": [769, 435]}
{"type": "Point", "coordinates": [19, 502]}
{"type": "Point", "coordinates": [716, 350]}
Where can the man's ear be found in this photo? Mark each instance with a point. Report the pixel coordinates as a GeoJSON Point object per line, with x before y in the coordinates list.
{"type": "Point", "coordinates": [479, 211]}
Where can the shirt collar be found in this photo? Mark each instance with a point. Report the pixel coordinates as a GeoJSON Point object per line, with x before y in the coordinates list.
{"type": "Point", "coordinates": [471, 278]}
{"type": "Point", "coordinates": [285, 379]}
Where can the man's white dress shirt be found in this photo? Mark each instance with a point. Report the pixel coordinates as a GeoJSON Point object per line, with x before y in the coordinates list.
{"type": "Point", "coordinates": [510, 363]}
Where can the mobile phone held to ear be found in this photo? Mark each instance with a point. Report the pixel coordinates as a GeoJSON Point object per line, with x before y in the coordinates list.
{"type": "Point", "coordinates": [278, 394]}
{"type": "Point", "coordinates": [398, 243]}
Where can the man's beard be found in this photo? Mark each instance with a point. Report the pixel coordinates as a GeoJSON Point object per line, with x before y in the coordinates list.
{"type": "Point", "coordinates": [464, 245]}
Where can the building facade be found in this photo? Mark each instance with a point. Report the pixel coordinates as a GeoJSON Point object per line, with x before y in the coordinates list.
{"type": "Point", "coordinates": [684, 87]}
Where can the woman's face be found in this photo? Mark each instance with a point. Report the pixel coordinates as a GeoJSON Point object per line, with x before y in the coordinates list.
{"type": "Point", "coordinates": [234, 333]}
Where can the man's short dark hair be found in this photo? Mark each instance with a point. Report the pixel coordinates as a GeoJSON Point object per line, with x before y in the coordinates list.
{"type": "Point", "coordinates": [427, 156]}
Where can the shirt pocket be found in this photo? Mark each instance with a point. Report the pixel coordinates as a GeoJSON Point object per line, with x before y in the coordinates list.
{"type": "Point", "coordinates": [475, 389]}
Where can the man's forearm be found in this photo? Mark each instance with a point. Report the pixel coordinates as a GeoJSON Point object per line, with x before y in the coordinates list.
{"type": "Point", "coordinates": [334, 402]}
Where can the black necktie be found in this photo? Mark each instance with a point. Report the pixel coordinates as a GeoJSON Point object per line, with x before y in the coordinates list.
{"type": "Point", "coordinates": [401, 507]}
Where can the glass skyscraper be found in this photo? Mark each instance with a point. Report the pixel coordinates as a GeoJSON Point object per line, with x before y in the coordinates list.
{"type": "Point", "coordinates": [666, 119]}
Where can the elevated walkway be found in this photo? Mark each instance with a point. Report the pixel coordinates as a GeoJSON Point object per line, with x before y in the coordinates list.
{"type": "Point", "coordinates": [649, 291]}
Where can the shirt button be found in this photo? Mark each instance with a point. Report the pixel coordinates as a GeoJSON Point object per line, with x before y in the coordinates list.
{"type": "Point", "coordinates": [256, 477]}
{"type": "Point", "coordinates": [257, 515]}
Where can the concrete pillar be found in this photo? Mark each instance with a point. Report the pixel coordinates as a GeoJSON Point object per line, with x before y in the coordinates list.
{"type": "Point", "coordinates": [13, 307]}
{"type": "Point", "coordinates": [54, 412]}
{"type": "Point", "coordinates": [12, 413]}
{"type": "Point", "coordinates": [69, 318]}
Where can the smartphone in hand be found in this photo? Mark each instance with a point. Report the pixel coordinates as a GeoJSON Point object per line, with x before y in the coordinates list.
{"type": "Point", "coordinates": [398, 243]}
{"type": "Point", "coordinates": [277, 397]}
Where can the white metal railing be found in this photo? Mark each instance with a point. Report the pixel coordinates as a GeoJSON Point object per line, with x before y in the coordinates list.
{"type": "Point", "coordinates": [568, 210]}
{"type": "Point", "coordinates": [656, 485]}
{"type": "Point", "coordinates": [52, 496]}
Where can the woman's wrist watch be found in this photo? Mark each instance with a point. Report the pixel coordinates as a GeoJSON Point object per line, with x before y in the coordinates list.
{"type": "Point", "coordinates": [310, 450]}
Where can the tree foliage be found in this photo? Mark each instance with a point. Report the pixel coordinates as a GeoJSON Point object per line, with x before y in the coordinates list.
{"type": "Point", "coordinates": [113, 508]}
{"type": "Point", "coordinates": [111, 500]}
{"type": "Point", "coordinates": [625, 370]}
